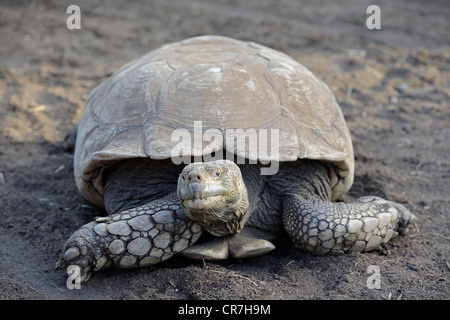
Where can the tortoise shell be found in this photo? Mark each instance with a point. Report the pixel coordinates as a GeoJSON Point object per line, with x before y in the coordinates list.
{"type": "Point", "coordinates": [226, 84]}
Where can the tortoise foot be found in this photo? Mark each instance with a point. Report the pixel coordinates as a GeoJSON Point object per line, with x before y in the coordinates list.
{"type": "Point", "coordinates": [82, 251]}
{"type": "Point", "coordinates": [405, 218]}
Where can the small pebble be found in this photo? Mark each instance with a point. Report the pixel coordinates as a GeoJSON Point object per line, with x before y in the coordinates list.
{"type": "Point", "coordinates": [401, 87]}
{"type": "Point", "coordinates": [61, 167]}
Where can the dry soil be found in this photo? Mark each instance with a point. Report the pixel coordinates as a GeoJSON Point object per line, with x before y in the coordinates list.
{"type": "Point", "coordinates": [393, 85]}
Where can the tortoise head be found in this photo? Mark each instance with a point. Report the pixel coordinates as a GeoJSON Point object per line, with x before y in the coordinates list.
{"type": "Point", "coordinates": [214, 195]}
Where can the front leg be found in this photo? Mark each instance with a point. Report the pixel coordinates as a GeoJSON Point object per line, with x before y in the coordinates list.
{"type": "Point", "coordinates": [136, 237]}
{"type": "Point", "coordinates": [322, 227]}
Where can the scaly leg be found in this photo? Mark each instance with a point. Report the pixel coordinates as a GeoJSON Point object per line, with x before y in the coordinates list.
{"type": "Point", "coordinates": [322, 227]}
{"type": "Point", "coordinates": [136, 237]}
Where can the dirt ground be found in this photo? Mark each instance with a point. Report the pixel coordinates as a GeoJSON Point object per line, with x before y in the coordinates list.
{"type": "Point", "coordinates": [393, 85]}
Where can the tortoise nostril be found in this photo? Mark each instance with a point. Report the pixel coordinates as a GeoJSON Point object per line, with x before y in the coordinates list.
{"type": "Point", "coordinates": [195, 177]}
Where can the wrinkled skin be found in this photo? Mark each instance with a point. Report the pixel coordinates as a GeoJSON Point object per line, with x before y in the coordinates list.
{"type": "Point", "coordinates": [214, 195]}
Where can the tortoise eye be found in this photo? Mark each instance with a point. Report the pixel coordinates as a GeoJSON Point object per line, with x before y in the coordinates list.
{"type": "Point", "coordinates": [217, 174]}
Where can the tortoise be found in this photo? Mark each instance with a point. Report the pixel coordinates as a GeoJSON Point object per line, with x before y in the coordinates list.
{"type": "Point", "coordinates": [167, 147]}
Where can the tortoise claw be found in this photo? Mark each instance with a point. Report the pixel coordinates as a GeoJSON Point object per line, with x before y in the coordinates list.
{"type": "Point", "coordinates": [241, 247]}
{"type": "Point", "coordinates": [406, 218]}
{"type": "Point", "coordinates": [216, 249]}
{"type": "Point", "coordinates": [248, 243]}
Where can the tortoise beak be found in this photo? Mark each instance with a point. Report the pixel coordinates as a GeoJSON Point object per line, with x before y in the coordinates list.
{"type": "Point", "coordinates": [197, 199]}
{"type": "Point", "coordinates": [195, 190]}
{"type": "Point", "coordinates": [193, 195]}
